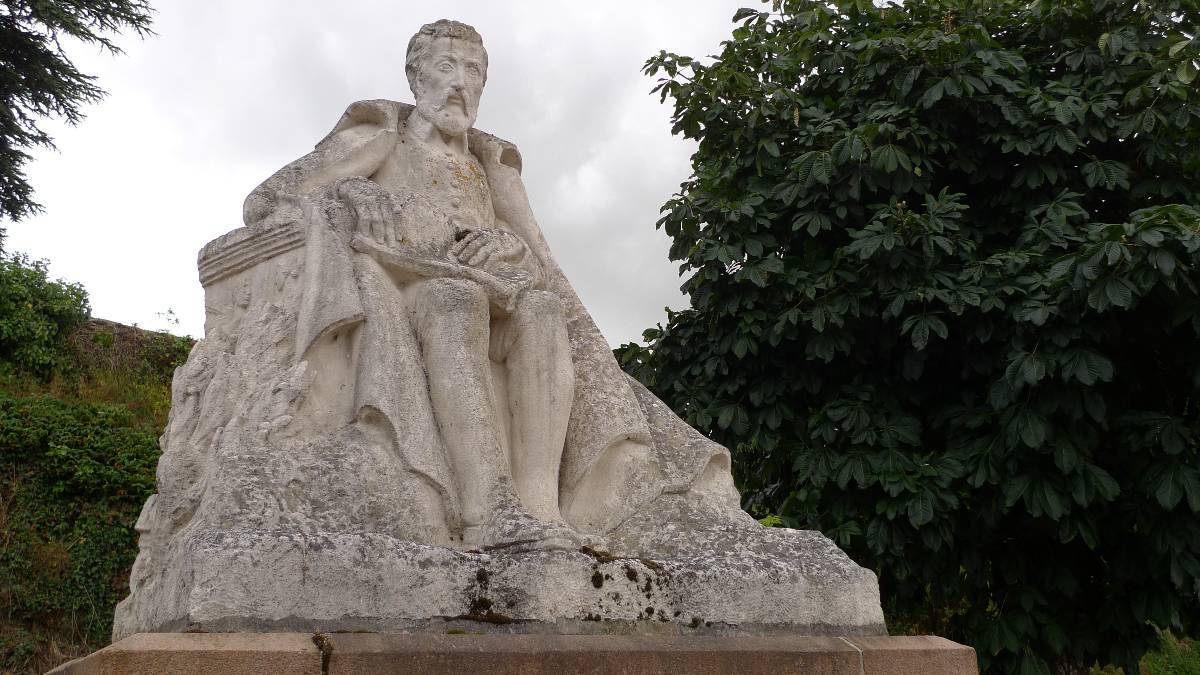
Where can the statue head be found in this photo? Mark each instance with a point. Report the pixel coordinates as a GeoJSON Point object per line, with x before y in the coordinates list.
{"type": "Point", "coordinates": [446, 66]}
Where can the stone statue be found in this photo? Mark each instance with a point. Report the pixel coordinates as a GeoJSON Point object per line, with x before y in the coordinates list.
{"type": "Point", "coordinates": [401, 415]}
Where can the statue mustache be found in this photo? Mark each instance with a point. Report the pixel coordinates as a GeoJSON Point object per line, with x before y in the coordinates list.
{"type": "Point", "coordinates": [453, 97]}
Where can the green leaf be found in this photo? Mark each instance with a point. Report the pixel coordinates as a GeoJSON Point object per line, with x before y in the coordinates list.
{"type": "Point", "coordinates": [1014, 489]}
{"type": "Point", "coordinates": [1169, 490]}
{"type": "Point", "coordinates": [1118, 292]}
{"type": "Point", "coordinates": [740, 347]}
{"type": "Point", "coordinates": [1186, 72]}
{"type": "Point", "coordinates": [725, 417]}
{"type": "Point", "coordinates": [933, 94]}
{"type": "Point", "coordinates": [1033, 369]}
{"type": "Point", "coordinates": [744, 13]}
{"type": "Point", "coordinates": [1103, 482]}
{"type": "Point", "coordinates": [920, 509]}
{"type": "Point", "coordinates": [1032, 428]}
{"type": "Point", "coordinates": [1191, 486]}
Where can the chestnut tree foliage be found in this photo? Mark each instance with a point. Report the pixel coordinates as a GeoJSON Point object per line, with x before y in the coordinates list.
{"type": "Point", "coordinates": [943, 261]}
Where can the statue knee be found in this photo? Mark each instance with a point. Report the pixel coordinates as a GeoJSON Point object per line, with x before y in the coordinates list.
{"type": "Point", "coordinates": [540, 308]}
{"type": "Point", "coordinates": [460, 298]}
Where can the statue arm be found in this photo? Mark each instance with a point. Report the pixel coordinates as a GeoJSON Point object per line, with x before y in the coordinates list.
{"type": "Point", "coordinates": [357, 150]}
{"type": "Point", "coordinates": [361, 162]}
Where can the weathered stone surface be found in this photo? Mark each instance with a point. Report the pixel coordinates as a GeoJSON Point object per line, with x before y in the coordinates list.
{"type": "Point", "coordinates": [345, 653]}
{"type": "Point", "coordinates": [400, 399]}
{"type": "Point", "coordinates": [786, 582]}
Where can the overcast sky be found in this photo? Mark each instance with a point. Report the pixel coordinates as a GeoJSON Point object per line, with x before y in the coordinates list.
{"type": "Point", "coordinates": [228, 91]}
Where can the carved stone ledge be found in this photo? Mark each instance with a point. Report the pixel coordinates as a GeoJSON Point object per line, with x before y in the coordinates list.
{"type": "Point", "coordinates": [246, 247]}
{"type": "Point", "coordinates": [237, 653]}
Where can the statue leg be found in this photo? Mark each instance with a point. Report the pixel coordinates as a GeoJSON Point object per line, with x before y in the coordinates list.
{"type": "Point", "coordinates": [452, 322]}
{"type": "Point", "coordinates": [541, 381]}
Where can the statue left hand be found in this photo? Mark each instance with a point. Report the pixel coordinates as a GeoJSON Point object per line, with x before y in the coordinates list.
{"type": "Point", "coordinates": [479, 247]}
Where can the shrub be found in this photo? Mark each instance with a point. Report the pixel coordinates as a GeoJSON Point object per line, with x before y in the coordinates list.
{"type": "Point", "coordinates": [943, 263]}
{"type": "Point", "coordinates": [36, 314]}
{"type": "Point", "coordinates": [73, 477]}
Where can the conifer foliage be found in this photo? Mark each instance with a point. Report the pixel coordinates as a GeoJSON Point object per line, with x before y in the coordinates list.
{"type": "Point", "coordinates": [38, 80]}
{"type": "Point", "coordinates": [943, 261]}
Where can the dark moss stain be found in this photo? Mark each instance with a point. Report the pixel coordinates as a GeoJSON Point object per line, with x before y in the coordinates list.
{"type": "Point", "coordinates": [592, 617]}
{"type": "Point", "coordinates": [631, 574]}
{"type": "Point", "coordinates": [602, 556]}
{"type": "Point", "coordinates": [480, 605]}
{"type": "Point", "coordinates": [696, 621]}
{"type": "Point", "coordinates": [597, 579]}
{"type": "Point", "coordinates": [651, 564]}
{"type": "Point", "coordinates": [482, 577]}
{"type": "Point", "coordinates": [649, 611]}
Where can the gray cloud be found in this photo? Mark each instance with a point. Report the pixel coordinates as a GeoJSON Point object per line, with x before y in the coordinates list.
{"type": "Point", "coordinates": [228, 91]}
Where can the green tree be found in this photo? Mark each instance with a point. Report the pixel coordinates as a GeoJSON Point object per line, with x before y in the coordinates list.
{"type": "Point", "coordinates": [943, 263]}
{"type": "Point", "coordinates": [36, 315]}
{"type": "Point", "coordinates": [38, 80]}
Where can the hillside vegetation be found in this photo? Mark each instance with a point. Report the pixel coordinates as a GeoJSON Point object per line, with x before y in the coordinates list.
{"type": "Point", "coordinates": [82, 402]}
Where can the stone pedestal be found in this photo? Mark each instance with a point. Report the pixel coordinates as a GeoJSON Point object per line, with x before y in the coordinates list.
{"type": "Point", "coordinates": [778, 582]}
{"type": "Point", "coordinates": [320, 654]}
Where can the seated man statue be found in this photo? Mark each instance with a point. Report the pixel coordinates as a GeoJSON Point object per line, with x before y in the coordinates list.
{"type": "Point", "coordinates": [468, 350]}
{"type": "Point", "coordinates": [401, 413]}
{"type": "Point", "coordinates": [463, 319]}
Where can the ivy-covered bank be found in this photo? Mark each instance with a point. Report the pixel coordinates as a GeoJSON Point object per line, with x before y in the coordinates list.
{"type": "Point", "coordinates": [81, 405]}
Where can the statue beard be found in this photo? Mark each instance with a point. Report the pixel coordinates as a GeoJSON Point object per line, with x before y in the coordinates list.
{"type": "Point", "coordinates": [451, 119]}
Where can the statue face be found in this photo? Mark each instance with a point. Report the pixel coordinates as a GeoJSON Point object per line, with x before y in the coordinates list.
{"type": "Point", "coordinates": [449, 83]}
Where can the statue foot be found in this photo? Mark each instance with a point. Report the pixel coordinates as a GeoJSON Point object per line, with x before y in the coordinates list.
{"type": "Point", "coordinates": [512, 530]}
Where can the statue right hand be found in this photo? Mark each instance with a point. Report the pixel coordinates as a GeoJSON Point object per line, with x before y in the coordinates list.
{"type": "Point", "coordinates": [373, 211]}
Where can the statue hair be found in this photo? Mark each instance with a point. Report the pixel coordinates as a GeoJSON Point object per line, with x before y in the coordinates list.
{"type": "Point", "coordinates": [420, 42]}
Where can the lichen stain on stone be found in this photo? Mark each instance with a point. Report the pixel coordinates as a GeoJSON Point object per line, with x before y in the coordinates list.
{"type": "Point", "coordinates": [480, 605]}
{"type": "Point", "coordinates": [601, 556]}
{"type": "Point", "coordinates": [597, 579]}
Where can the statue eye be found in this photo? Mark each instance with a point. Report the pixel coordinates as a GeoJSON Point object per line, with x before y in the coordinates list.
{"type": "Point", "coordinates": [473, 69]}
{"type": "Point", "coordinates": [445, 67]}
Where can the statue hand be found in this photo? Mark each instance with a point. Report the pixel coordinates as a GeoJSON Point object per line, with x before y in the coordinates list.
{"type": "Point", "coordinates": [374, 214]}
{"type": "Point", "coordinates": [478, 247]}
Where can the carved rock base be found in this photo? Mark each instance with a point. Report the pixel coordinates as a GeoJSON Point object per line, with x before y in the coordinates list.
{"type": "Point", "coordinates": [779, 582]}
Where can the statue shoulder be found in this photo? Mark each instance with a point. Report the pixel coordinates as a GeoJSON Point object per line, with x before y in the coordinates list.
{"type": "Point", "coordinates": [363, 118]}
